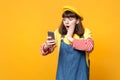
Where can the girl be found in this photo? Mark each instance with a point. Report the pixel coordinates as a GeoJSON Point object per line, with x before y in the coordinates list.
{"type": "Point", "coordinates": [74, 43]}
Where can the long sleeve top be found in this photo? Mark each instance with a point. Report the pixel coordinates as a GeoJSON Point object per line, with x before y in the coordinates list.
{"type": "Point", "coordinates": [85, 44]}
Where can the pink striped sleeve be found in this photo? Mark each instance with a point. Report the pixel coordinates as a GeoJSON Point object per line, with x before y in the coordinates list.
{"type": "Point", "coordinates": [45, 52]}
{"type": "Point", "coordinates": [85, 45]}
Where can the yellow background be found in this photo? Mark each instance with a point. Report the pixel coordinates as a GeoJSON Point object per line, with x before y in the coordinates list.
{"type": "Point", "coordinates": [23, 28]}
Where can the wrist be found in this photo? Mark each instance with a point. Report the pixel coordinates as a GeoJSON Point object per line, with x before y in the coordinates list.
{"type": "Point", "coordinates": [45, 47]}
{"type": "Point", "coordinates": [70, 39]}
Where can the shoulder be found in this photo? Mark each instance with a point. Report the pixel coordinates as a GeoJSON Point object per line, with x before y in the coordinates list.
{"type": "Point", "coordinates": [87, 30]}
{"type": "Point", "coordinates": [56, 31]}
{"type": "Point", "coordinates": [57, 34]}
{"type": "Point", "coordinates": [87, 33]}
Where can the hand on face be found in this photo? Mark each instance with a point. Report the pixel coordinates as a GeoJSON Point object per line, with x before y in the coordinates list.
{"type": "Point", "coordinates": [70, 31]}
{"type": "Point", "coordinates": [69, 24]}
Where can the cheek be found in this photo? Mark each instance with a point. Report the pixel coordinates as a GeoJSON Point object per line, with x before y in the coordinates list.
{"type": "Point", "coordinates": [63, 23]}
{"type": "Point", "coordinates": [73, 23]}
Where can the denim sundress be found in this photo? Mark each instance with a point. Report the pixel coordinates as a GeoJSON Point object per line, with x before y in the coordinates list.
{"type": "Point", "coordinates": [71, 64]}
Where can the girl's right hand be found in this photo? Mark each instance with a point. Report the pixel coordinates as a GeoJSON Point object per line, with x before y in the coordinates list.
{"type": "Point", "coordinates": [49, 42]}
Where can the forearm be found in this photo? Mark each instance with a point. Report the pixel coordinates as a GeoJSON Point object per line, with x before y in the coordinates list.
{"type": "Point", "coordinates": [45, 51]}
{"type": "Point", "coordinates": [84, 45]}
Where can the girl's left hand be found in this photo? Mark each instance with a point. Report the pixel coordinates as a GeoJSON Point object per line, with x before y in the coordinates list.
{"type": "Point", "coordinates": [70, 39]}
{"type": "Point", "coordinates": [70, 33]}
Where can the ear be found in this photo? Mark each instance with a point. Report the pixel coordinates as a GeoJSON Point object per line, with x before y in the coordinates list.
{"type": "Point", "coordinates": [77, 21]}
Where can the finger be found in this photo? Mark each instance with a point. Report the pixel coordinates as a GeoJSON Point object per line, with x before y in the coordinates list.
{"type": "Point", "coordinates": [49, 38]}
{"type": "Point", "coordinates": [50, 42]}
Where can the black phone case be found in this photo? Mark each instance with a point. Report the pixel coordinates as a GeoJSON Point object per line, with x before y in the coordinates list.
{"type": "Point", "coordinates": [50, 33]}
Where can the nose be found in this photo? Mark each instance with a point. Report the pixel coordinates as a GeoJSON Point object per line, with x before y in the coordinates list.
{"type": "Point", "coordinates": [66, 21]}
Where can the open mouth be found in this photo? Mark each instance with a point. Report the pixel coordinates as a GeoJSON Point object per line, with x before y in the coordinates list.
{"type": "Point", "coordinates": [67, 26]}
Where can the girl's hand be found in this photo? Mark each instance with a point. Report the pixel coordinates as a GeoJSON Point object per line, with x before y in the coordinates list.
{"type": "Point", "coordinates": [70, 33]}
{"type": "Point", "coordinates": [49, 42]}
{"type": "Point", "coordinates": [69, 36]}
{"type": "Point", "coordinates": [70, 39]}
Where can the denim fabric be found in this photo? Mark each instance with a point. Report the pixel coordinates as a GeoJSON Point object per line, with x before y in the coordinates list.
{"type": "Point", "coordinates": [71, 64]}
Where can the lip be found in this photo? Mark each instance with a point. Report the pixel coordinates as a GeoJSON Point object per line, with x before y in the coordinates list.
{"type": "Point", "coordinates": [67, 27]}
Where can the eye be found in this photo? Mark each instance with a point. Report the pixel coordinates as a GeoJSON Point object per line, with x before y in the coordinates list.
{"type": "Point", "coordinates": [71, 18]}
{"type": "Point", "coordinates": [64, 19]}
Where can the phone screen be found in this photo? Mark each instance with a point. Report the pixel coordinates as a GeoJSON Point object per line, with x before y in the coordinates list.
{"type": "Point", "coordinates": [51, 34]}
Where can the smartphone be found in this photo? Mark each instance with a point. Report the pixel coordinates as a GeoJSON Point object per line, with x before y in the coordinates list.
{"type": "Point", "coordinates": [51, 34]}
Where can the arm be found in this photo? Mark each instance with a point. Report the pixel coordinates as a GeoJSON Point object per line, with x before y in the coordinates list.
{"type": "Point", "coordinates": [49, 46]}
{"type": "Point", "coordinates": [45, 51]}
{"type": "Point", "coordinates": [85, 45]}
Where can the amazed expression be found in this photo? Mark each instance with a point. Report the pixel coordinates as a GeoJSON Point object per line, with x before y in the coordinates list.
{"type": "Point", "coordinates": [70, 22]}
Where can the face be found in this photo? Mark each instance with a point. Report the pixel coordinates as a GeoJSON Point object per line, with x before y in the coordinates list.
{"type": "Point", "coordinates": [70, 23]}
